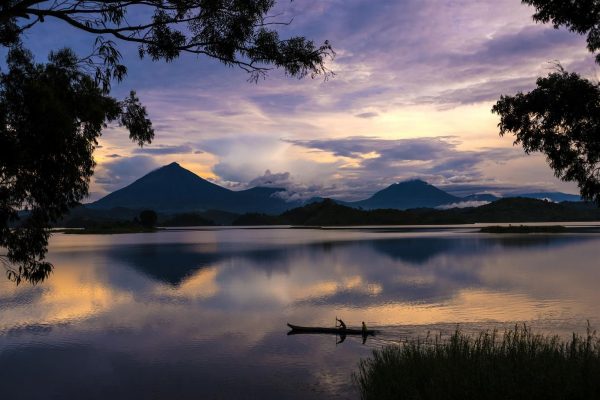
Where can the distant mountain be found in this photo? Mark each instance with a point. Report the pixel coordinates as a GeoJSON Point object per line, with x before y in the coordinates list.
{"type": "Point", "coordinates": [556, 197]}
{"type": "Point", "coordinates": [406, 195]}
{"type": "Point", "coordinates": [174, 189]}
{"type": "Point", "coordinates": [481, 197]}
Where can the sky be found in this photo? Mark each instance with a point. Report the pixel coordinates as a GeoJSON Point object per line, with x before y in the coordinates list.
{"type": "Point", "coordinates": [414, 84]}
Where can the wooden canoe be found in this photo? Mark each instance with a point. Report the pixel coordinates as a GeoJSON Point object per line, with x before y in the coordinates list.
{"type": "Point", "coordinates": [295, 329]}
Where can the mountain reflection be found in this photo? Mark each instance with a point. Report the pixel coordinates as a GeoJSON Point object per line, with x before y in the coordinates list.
{"type": "Point", "coordinates": [173, 263]}
{"type": "Point", "coordinates": [338, 273]}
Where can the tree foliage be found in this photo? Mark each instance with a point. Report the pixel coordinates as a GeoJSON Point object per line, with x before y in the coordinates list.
{"type": "Point", "coordinates": [236, 32]}
{"type": "Point", "coordinates": [561, 116]}
{"type": "Point", "coordinates": [580, 16]}
{"type": "Point", "coordinates": [50, 118]}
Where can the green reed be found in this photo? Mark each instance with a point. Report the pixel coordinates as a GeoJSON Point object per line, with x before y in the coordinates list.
{"type": "Point", "coordinates": [515, 365]}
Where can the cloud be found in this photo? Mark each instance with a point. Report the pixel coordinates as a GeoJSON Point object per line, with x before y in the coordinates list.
{"type": "Point", "coordinates": [420, 149]}
{"type": "Point", "coordinates": [282, 179]}
{"type": "Point", "coordinates": [165, 149]}
{"type": "Point", "coordinates": [294, 191]}
{"type": "Point", "coordinates": [280, 103]}
{"type": "Point", "coordinates": [463, 204]}
{"type": "Point", "coordinates": [367, 115]}
{"type": "Point", "coordinates": [518, 46]}
{"type": "Point", "coordinates": [117, 174]}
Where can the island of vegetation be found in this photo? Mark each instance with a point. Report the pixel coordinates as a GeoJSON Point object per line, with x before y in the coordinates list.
{"type": "Point", "coordinates": [524, 229]}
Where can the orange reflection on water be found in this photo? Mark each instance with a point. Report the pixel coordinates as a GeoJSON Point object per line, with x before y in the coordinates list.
{"type": "Point", "coordinates": [201, 285]}
{"type": "Point", "coordinates": [465, 307]}
{"type": "Point", "coordinates": [354, 283]}
{"type": "Point", "coordinates": [71, 293]}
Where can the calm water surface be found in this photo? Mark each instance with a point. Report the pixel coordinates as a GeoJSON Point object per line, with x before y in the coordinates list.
{"type": "Point", "coordinates": [202, 314]}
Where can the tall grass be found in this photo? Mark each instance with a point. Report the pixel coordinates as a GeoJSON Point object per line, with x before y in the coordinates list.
{"type": "Point", "coordinates": [516, 365]}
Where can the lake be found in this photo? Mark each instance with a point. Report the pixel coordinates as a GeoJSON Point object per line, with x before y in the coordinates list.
{"type": "Point", "coordinates": [201, 314]}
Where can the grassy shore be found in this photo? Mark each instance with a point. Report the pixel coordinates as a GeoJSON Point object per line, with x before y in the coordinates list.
{"type": "Point", "coordinates": [524, 229]}
{"type": "Point", "coordinates": [517, 365]}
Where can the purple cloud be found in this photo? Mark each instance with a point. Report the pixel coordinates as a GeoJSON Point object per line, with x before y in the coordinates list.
{"type": "Point", "coordinates": [165, 149]}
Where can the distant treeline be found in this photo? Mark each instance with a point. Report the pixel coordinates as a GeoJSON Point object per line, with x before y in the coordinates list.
{"type": "Point", "coordinates": [82, 217]}
{"type": "Point", "coordinates": [330, 213]}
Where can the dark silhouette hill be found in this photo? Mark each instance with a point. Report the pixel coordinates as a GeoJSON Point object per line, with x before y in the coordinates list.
{"type": "Point", "coordinates": [331, 213]}
{"type": "Point", "coordinates": [552, 196]}
{"type": "Point", "coordinates": [405, 195]}
{"type": "Point", "coordinates": [174, 189]}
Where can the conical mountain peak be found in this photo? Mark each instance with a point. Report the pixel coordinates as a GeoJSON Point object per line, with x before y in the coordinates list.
{"type": "Point", "coordinates": [174, 189]}
{"type": "Point", "coordinates": [414, 193]}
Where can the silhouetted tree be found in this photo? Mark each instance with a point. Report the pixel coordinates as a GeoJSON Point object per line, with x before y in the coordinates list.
{"type": "Point", "coordinates": [235, 32]}
{"type": "Point", "coordinates": [148, 218]}
{"type": "Point", "coordinates": [51, 115]}
{"type": "Point", "coordinates": [580, 16]}
{"type": "Point", "coordinates": [50, 118]}
{"type": "Point", "coordinates": [561, 117]}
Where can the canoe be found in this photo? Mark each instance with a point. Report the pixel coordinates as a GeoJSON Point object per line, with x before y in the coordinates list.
{"type": "Point", "coordinates": [295, 329]}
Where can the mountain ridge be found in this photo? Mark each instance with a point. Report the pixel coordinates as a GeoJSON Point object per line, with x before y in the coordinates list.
{"type": "Point", "coordinates": [174, 189]}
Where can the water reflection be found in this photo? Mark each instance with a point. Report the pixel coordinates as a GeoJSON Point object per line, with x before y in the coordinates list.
{"type": "Point", "coordinates": [203, 314]}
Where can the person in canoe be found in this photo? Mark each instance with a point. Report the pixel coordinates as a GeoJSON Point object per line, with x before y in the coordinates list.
{"type": "Point", "coordinates": [364, 332]}
{"type": "Point", "coordinates": [342, 325]}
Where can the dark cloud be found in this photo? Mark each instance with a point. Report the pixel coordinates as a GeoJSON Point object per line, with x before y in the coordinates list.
{"type": "Point", "coordinates": [527, 43]}
{"type": "Point", "coordinates": [113, 156]}
{"type": "Point", "coordinates": [282, 179]}
{"type": "Point", "coordinates": [420, 149]}
{"type": "Point", "coordinates": [367, 115]}
{"type": "Point", "coordinates": [116, 174]}
{"type": "Point", "coordinates": [481, 92]}
{"type": "Point", "coordinates": [165, 149]}
{"type": "Point", "coordinates": [280, 103]}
